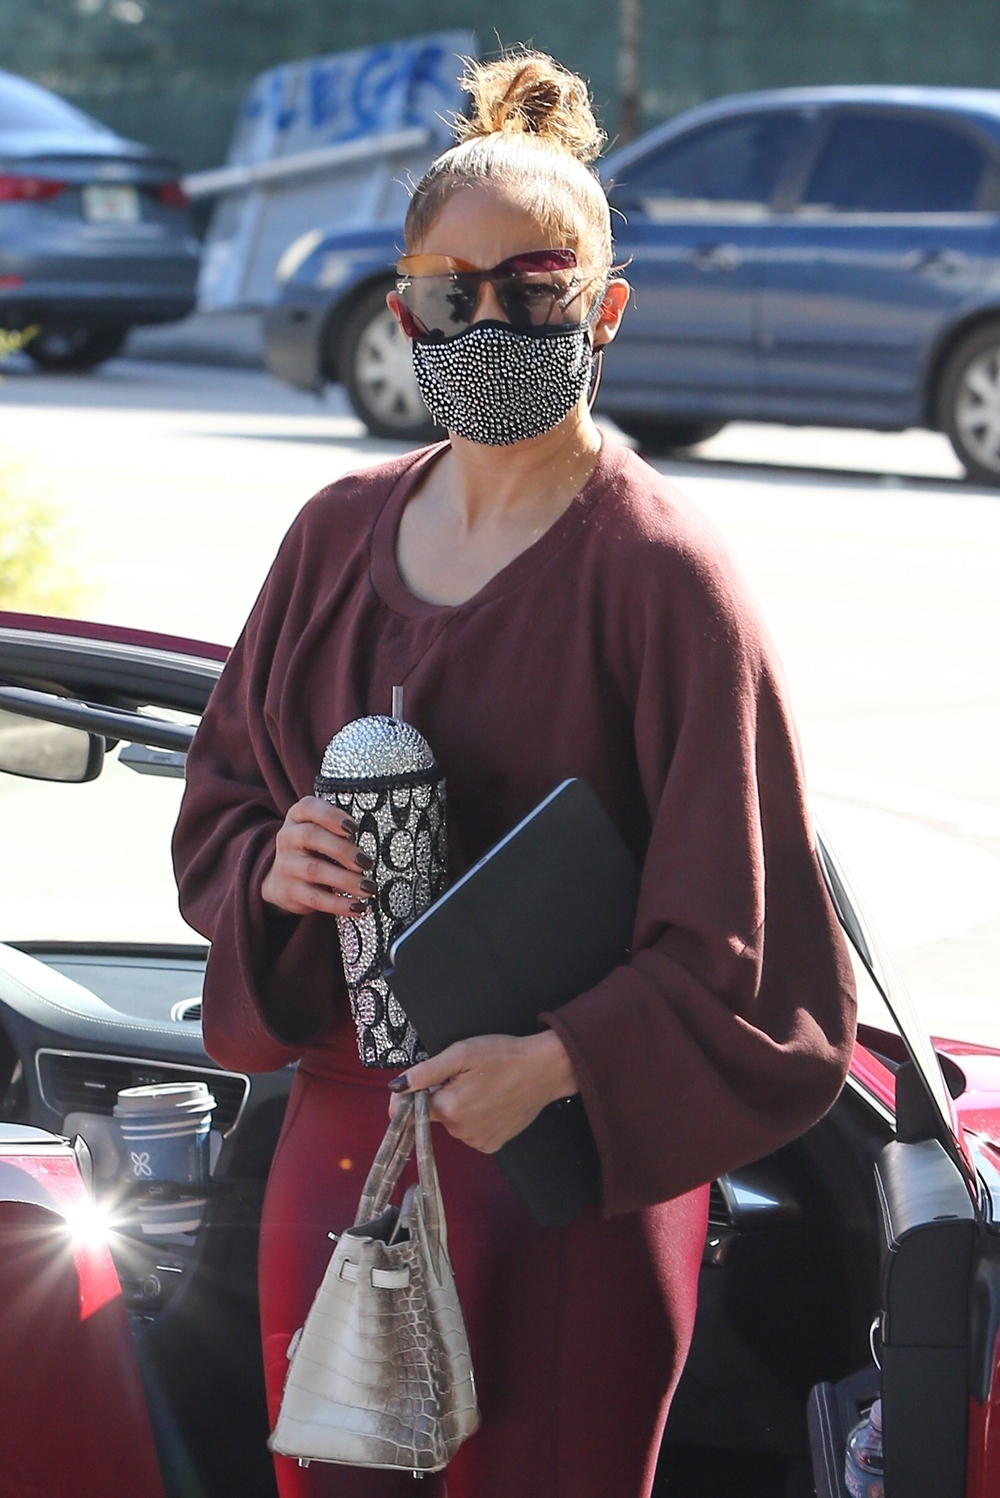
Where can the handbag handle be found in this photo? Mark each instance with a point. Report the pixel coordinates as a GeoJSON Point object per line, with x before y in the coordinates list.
{"type": "Point", "coordinates": [412, 1121]}
{"type": "Point", "coordinates": [387, 1166]}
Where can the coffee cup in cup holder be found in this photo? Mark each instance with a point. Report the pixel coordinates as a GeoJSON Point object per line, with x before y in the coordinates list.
{"type": "Point", "coordinates": [165, 1130]}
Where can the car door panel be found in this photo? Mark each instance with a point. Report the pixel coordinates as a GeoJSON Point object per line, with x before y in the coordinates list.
{"type": "Point", "coordinates": [929, 1228]}
{"type": "Point", "coordinates": [691, 331]}
{"type": "Point", "coordinates": [855, 291]}
{"type": "Point", "coordinates": [849, 309]}
{"type": "Point", "coordinates": [695, 219]}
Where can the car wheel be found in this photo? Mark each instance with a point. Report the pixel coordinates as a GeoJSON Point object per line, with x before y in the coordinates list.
{"type": "Point", "coordinates": [969, 404]}
{"type": "Point", "coordinates": [660, 437]}
{"type": "Point", "coordinates": [377, 370]}
{"type": "Point", "coordinates": [74, 348]}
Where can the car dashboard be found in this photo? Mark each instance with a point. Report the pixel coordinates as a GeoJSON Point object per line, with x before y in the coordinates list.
{"type": "Point", "coordinates": [80, 1022]}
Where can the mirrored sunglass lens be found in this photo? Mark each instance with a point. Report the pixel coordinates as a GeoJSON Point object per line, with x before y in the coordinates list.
{"type": "Point", "coordinates": [526, 303]}
{"type": "Point", "coordinates": [533, 301]}
{"type": "Point", "coordinates": [446, 305]}
{"type": "Point", "coordinates": [441, 304]}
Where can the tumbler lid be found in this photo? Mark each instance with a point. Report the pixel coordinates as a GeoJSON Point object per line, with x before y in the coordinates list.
{"type": "Point", "coordinates": [376, 746]}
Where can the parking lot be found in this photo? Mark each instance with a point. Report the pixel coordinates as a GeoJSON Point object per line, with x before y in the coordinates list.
{"type": "Point", "coordinates": [875, 563]}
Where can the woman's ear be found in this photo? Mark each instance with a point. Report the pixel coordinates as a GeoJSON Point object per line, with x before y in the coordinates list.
{"type": "Point", "coordinates": [394, 302]}
{"type": "Point", "coordinates": [613, 305]}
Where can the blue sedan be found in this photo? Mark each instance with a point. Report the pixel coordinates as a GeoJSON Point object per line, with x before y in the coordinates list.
{"type": "Point", "coordinates": [94, 232]}
{"type": "Point", "coordinates": [822, 256]}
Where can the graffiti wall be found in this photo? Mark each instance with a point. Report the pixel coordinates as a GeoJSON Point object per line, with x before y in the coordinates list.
{"type": "Point", "coordinates": [385, 108]}
{"type": "Point", "coordinates": [302, 105]}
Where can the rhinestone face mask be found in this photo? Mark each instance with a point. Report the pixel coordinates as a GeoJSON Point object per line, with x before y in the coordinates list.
{"type": "Point", "coordinates": [495, 384]}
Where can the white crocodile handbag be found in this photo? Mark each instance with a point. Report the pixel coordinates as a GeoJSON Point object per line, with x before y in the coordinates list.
{"type": "Point", "coordinates": [380, 1375]}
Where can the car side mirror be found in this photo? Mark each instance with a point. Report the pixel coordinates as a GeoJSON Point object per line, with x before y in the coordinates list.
{"type": "Point", "coordinates": [49, 751]}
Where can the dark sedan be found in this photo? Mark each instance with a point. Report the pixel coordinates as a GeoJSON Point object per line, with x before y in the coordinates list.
{"type": "Point", "coordinates": [94, 232]}
{"type": "Point", "coordinates": [811, 256]}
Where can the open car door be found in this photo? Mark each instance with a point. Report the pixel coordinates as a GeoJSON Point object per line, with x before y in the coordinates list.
{"type": "Point", "coordinates": [940, 1273]}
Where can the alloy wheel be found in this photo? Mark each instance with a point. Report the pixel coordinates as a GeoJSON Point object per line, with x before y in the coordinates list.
{"type": "Point", "coordinates": [977, 409]}
{"type": "Point", "coordinates": [383, 373]}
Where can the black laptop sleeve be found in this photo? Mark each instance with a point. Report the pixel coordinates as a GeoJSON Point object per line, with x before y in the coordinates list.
{"type": "Point", "coordinates": [545, 915]}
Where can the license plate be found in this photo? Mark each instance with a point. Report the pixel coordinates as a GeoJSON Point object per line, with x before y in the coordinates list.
{"type": "Point", "coordinates": [111, 205]}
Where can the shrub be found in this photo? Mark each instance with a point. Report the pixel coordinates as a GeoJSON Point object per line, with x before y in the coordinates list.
{"type": "Point", "coordinates": [32, 579]}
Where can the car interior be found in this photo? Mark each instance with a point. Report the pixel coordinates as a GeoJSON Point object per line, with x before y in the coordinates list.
{"type": "Point", "coordinates": [794, 1280]}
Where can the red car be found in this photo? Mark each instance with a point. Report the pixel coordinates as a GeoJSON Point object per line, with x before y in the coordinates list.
{"type": "Point", "coordinates": [862, 1259]}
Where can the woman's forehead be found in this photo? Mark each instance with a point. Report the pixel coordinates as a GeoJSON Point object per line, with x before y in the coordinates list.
{"type": "Point", "coordinates": [484, 226]}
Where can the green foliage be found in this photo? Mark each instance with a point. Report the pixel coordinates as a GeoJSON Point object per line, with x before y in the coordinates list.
{"type": "Point", "coordinates": [13, 340]}
{"type": "Point", "coordinates": [31, 577]}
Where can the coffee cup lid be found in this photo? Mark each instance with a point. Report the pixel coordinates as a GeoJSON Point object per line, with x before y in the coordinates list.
{"type": "Point", "coordinates": [164, 1097]}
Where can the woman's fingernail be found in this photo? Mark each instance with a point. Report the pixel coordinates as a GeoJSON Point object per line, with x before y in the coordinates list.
{"type": "Point", "coordinates": [399, 1084]}
{"type": "Point", "coordinates": [364, 860]}
{"type": "Point", "coordinates": [357, 907]}
{"type": "Point", "coordinates": [350, 826]}
{"type": "Point", "coordinates": [369, 887]}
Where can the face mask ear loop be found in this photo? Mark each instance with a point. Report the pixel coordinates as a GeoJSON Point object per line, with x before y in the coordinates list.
{"type": "Point", "coordinates": [595, 383]}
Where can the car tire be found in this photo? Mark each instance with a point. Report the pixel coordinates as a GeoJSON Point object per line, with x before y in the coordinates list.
{"type": "Point", "coordinates": [968, 405]}
{"type": "Point", "coordinates": [659, 437]}
{"type": "Point", "coordinates": [72, 349]}
{"type": "Point", "coordinates": [373, 357]}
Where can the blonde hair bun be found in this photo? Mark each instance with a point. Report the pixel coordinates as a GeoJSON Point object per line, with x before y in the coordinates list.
{"type": "Point", "coordinates": [529, 93]}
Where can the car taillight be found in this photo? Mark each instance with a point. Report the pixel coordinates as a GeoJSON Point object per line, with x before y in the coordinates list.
{"type": "Point", "coordinates": [16, 189]}
{"type": "Point", "coordinates": [172, 195]}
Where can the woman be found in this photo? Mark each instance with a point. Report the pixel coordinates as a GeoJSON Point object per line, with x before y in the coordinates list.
{"type": "Point", "coordinates": [553, 608]}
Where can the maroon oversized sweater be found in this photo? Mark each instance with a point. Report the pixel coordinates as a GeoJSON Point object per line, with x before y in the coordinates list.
{"type": "Point", "coordinates": [620, 647]}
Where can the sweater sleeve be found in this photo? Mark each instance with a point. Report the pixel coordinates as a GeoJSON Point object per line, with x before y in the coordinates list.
{"type": "Point", "coordinates": [273, 980]}
{"type": "Point", "coordinates": [731, 1029]}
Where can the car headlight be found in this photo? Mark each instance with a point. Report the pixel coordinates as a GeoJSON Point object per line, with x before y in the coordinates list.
{"type": "Point", "coordinates": [297, 254]}
{"type": "Point", "coordinates": [334, 271]}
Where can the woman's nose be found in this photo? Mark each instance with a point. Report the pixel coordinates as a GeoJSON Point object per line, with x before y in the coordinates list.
{"type": "Point", "coordinates": [488, 305]}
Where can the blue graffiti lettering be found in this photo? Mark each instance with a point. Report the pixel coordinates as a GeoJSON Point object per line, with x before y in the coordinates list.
{"type": "Point", "coordinates": [283, 112]}
{"type": "Point", "coordinates": [433, 69]}
{"type": "Point", "coordinates": [326, 92]}
{"type": "Point", "coordinates": [378, 78]}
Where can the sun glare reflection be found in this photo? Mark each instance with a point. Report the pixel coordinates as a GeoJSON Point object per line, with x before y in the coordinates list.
{"type": "Point", "coordinates": [88, 1223]}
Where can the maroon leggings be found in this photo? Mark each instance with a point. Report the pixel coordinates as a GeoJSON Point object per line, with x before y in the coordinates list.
{"type": "Point", "coordinates": [578, 1334]}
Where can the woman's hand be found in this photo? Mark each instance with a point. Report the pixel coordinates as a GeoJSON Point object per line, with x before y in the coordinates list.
{"type": "Point", "coordinates": [317, 863]}
{"type": "Point", "coordinates": [490, 1088]}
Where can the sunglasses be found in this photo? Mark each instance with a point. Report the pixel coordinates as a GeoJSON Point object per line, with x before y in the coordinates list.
{"type": "Point", "coordinates": [541, 288]}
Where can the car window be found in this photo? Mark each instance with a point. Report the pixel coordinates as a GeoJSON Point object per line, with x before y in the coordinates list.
{"type": "Point", "coordinates": [25, 106]}
{"type": "Point", "coordinates": [874, 163]}
{"type": "Point", "coordinates": [90, 862]}
{"type": "Point", "coordinates": [732, 166]}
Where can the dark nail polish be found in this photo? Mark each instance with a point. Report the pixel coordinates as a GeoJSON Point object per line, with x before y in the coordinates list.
{"type": "Point", "coordinates": [350, 826]}
{"type": "Point", "coordinates": [357, 907]}
{"type": "Point", "coordinates": [369, 887]}
{"type": "Point", "coordinates": [399, 1084]}
{"type": "Point", "coordinates": [364, 860]}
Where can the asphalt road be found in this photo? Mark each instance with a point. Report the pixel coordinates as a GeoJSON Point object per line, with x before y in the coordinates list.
{"type": "Point", "coordinates": [876, 565]}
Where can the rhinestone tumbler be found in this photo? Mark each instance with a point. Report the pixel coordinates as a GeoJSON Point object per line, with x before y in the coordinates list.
{"type": "Point", "coordinates": [383, 773]}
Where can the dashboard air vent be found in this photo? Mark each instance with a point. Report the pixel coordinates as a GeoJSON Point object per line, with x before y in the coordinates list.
{"type": "Point", "coordinates": [80, 1082]}
{"type": "Point", "coordinates": [719, 1215]}
{"type": "Point", "coordinates": [186, 1011]}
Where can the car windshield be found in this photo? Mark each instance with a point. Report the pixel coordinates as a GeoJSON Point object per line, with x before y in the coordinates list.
{"type": "Point", "coordinates": [25, 106]}
{"type": "Point", "coordinates": [90, 863]}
